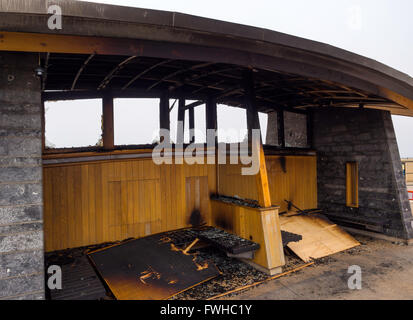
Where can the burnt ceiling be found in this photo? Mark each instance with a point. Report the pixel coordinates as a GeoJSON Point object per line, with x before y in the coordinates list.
{"type": "Point", "coordinates": [145, 76]}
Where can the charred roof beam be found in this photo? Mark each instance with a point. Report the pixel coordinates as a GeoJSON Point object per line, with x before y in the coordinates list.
{"type": "Point", "coordinates": [81, 70]}
{"type": "Point", "coordinates": [139, 75]}
{"type": "Point", "coordinates": [114, 71]}
{"type": "Point", "coordinates": [178, 72]}
{"type": "Point", "coordinates": [203, 75]}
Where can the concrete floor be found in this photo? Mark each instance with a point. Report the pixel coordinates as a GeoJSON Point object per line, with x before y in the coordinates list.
{"type": "Point", "coordinates": [387, 273]}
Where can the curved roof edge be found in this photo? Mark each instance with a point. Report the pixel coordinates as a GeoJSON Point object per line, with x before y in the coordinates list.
{"type": "Point", "coordinates": [390, 78]}
{"type": "Point", "coordinates": [83, 9]}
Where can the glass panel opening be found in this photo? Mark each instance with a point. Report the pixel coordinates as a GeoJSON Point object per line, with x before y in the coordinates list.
{"type": "Point", "coordinates": [232, 124]}
{"type": "Point", "coordinates": [73, 123]}
{"type": "Point", "coordinates": [136, 121]}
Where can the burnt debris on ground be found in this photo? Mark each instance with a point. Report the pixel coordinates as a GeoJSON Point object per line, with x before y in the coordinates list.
{"type": "Point", "coordinates": [235, 273]}
{"type": "Point", "coordinates": [151, 268]}
{"type": "Point", "coordinates": [225, 241]}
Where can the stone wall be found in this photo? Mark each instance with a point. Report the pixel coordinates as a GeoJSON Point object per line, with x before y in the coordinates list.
{"type": "Point", "coordinates": [272, 129]}
{"type": "Point", "coordinates": [367, 137]}
{"type": "Point", "coordinates": [21, 225]}
{"type": "Point", "coordinates": [295, 130]}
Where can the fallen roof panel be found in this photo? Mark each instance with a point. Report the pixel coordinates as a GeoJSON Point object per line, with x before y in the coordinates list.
{"type": "Point", "coordinates": [150, 268]}
{"type": "Point", "coordinates": [320, 237]}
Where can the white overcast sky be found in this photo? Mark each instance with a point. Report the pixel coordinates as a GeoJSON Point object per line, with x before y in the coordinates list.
{"type": "Point", "coordinates": [378, 29]}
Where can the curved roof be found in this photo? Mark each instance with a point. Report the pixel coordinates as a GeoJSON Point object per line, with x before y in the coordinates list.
{"type": "Point", "coordinates": [123, 32]}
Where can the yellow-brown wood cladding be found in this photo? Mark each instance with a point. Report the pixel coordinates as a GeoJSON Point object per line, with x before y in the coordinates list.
{"type": "Point", "coordinates": [292, 178]}
{"type": "Point", "coordinates": [259, 225]}
{"type": "Point", "coordinates": [93, 202]}
{"type": "Point", "coordinates": [88, 203]}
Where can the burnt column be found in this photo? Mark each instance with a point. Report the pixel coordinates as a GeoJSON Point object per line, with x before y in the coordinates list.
{"type": "Point", "coordinates": [108, 126]}
{"type": "Point", "coordinates": [164, 115]}
{"type": "Point", "coordinates": [249, 100]}
{"type": "Point", "coordinates": [21, 204]}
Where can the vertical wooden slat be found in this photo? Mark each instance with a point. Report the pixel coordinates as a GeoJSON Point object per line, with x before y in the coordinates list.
{"type": "Point", "coordinates": [105, 202]}
{"type": "Point", "coordinates": [64, 215]}
{"type": "Point", "coordinates": [118, 209]}
{"type": "Point", "coordinates": [84, 184]}
{"type": "Point", "coordinates": [77, 191]}
{"type": "Point", "coordinates": [98, 203]}
{"type": "Point", "coordinates": [92, 203]}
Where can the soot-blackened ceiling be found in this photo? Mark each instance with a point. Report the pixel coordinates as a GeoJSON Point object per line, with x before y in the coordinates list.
{"type": "Point", "coordinates": [147, 76]}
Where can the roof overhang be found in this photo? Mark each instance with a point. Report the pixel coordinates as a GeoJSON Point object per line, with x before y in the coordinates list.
{"type": "Point", "coordinates": [97, 29]}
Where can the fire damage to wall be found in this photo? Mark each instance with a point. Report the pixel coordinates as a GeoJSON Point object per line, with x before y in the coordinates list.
{"type": "Point", "coordinates": [21, 226]}
{"type": "Point", "coordinates": [287, 129]}
{"type": "Point", "coordinates": [366, 137]}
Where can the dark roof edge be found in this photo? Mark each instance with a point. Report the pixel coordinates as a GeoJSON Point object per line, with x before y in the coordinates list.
{"type": "Point", "coordinates": [107, 12]}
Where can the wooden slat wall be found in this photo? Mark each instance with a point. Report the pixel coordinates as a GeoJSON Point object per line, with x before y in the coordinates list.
{"type": "Point", "coordinates": [94, 202]}
{"type": "Point", "coordinates": [293, 178]}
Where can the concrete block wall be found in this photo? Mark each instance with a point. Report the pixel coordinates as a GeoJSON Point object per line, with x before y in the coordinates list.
{"type": "Point", "coordinates": [21, 204]}
{"type": "Point", "coordinates": [366, 136]}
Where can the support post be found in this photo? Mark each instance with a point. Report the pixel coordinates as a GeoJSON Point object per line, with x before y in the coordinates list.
{"type": "Point", "coordinates": [253, 123]}
{"type": "Point", "coordinates": [269, 223]}
{"type": "Point", "coordinates": [211, 116]}
{"type": "Point", "coordinates": [211, 124]}
{"type": "Point", "coordinates": [164, 116]}
{"type": "Point", "coordinates": [108, 135]}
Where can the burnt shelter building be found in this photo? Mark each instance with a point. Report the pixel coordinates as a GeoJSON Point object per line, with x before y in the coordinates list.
{"type": "Point", "coordinates": [329, 141]}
